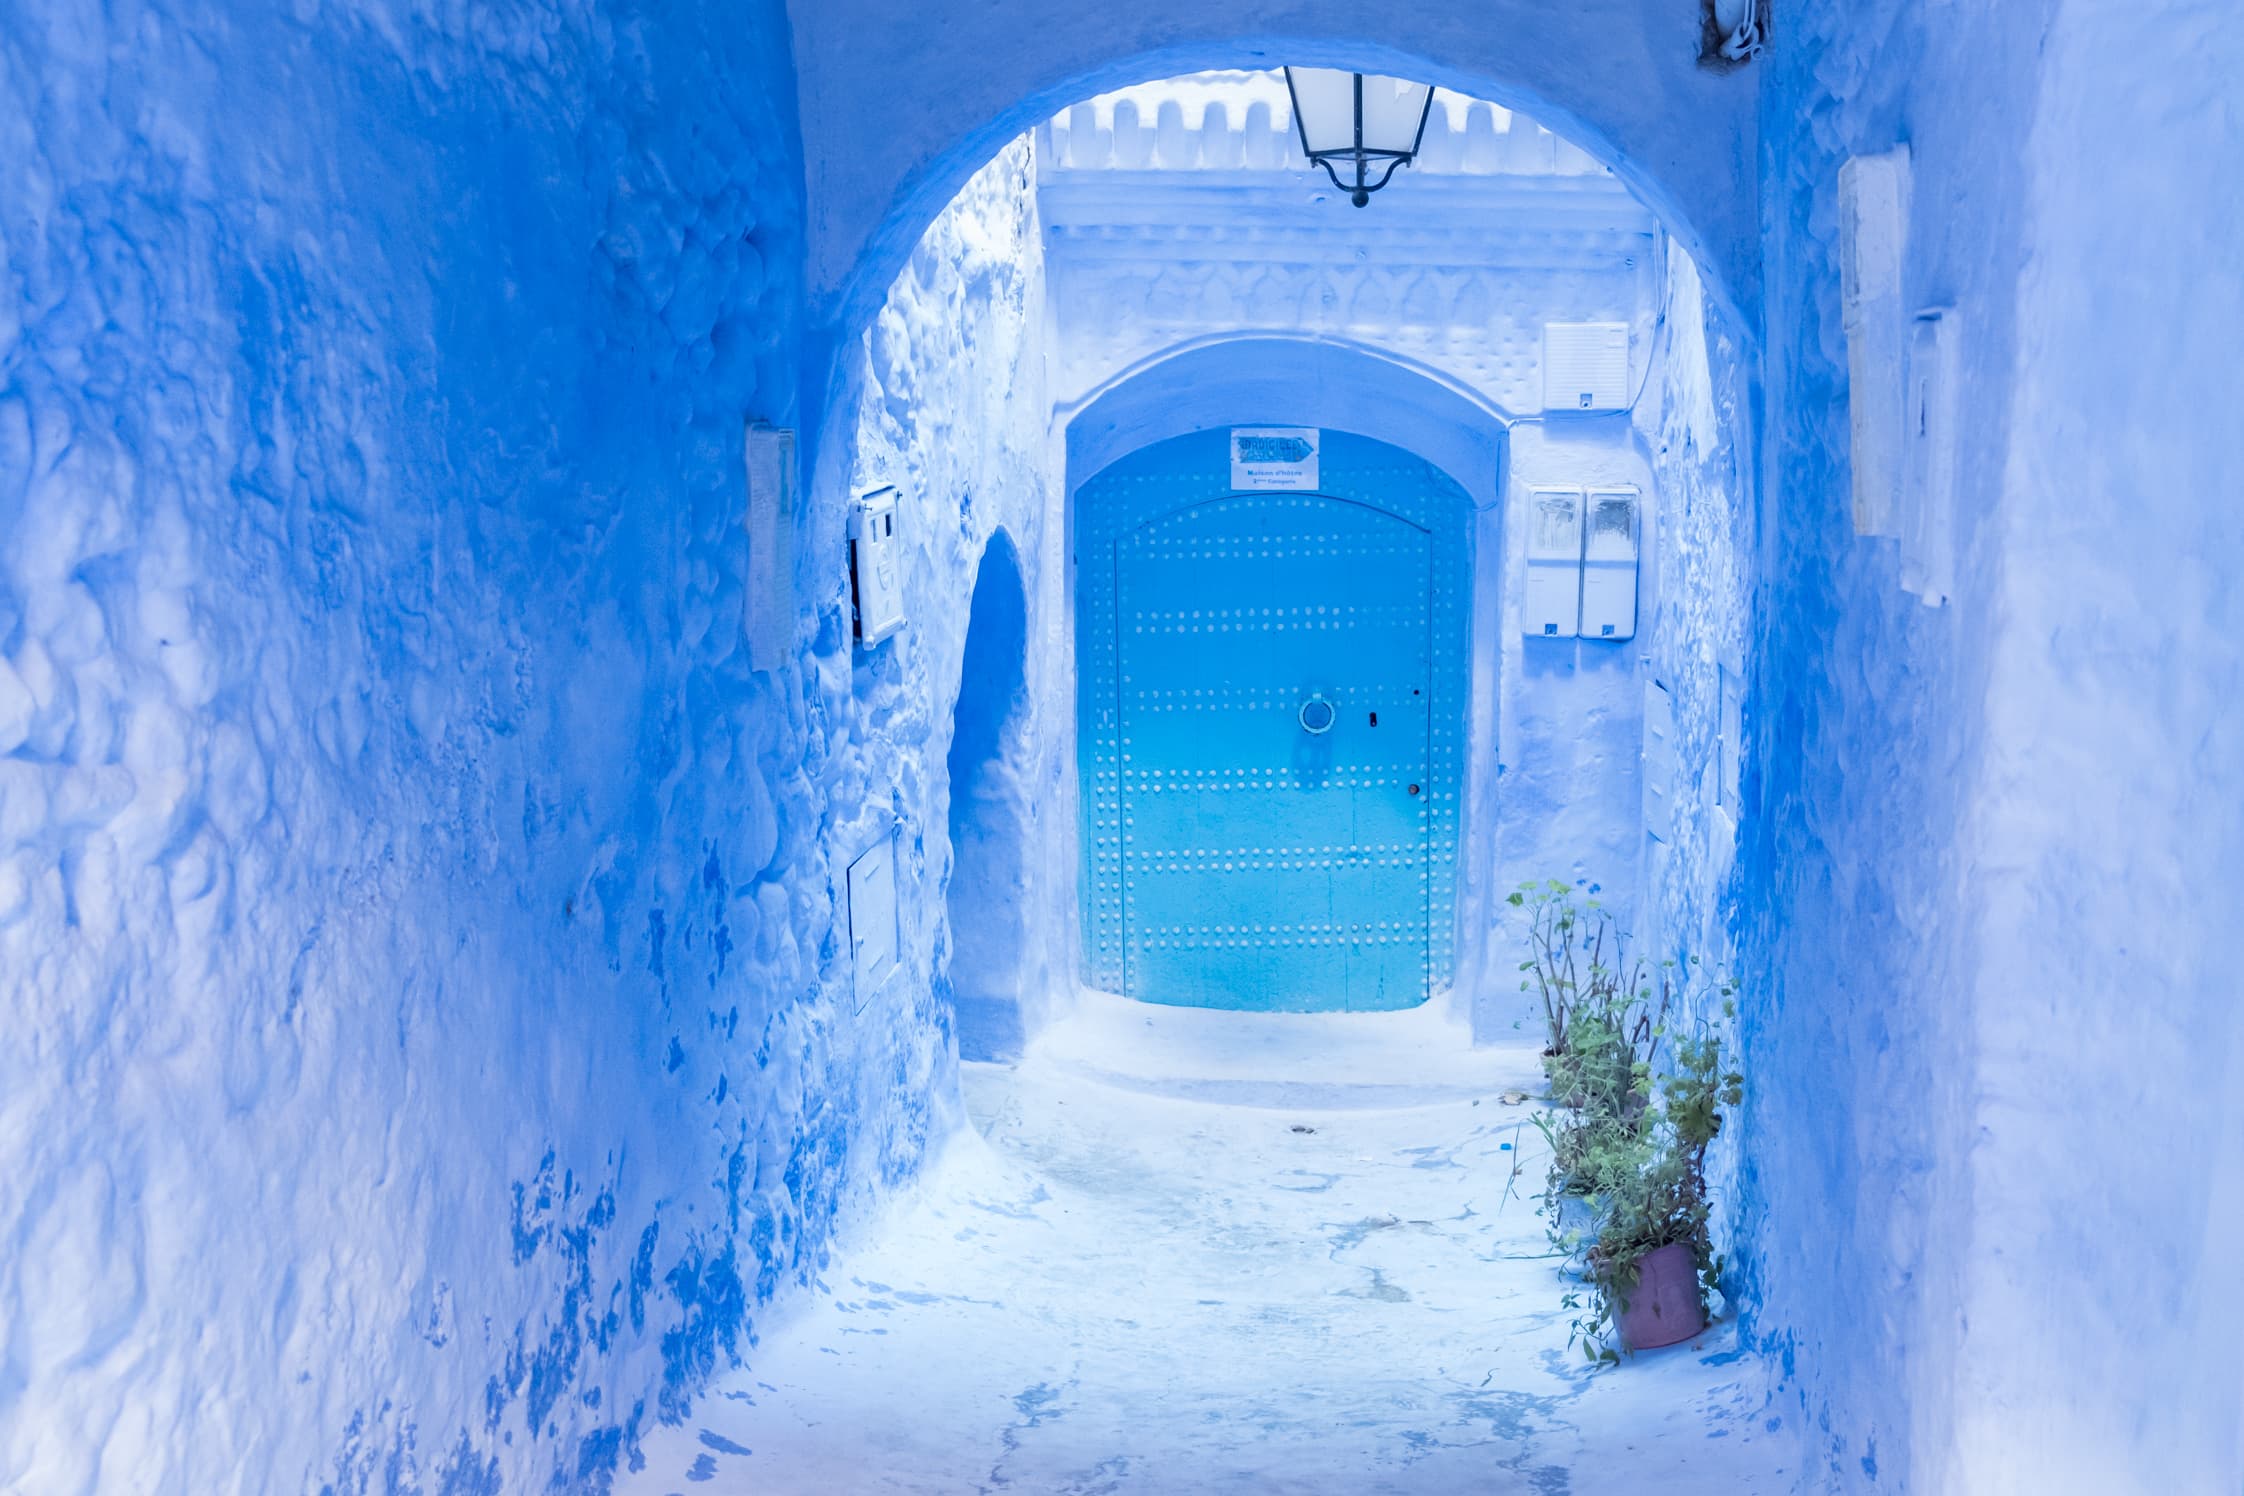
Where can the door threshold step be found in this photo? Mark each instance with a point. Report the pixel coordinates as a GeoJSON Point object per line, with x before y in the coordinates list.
{"type": "Point", "coordinates": [1321, 1061]}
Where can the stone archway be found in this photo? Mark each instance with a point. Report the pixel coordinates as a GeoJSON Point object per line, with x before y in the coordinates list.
{"type": "Point", "coordinates": [888, 160]}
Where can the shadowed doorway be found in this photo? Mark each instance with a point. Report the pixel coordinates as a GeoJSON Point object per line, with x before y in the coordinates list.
{"type": "Point", "coordinates": [990, 813]}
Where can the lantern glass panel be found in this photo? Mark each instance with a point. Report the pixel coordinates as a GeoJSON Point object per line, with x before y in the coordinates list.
{"type": "Point", "coordinates": [1394, 108]}
{"type": "Point", "coordinates": [1325, 102]}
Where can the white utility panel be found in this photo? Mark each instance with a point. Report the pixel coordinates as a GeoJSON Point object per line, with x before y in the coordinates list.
{"type": "Point", "coordinates": [872, 916]}
{"type": "Point", "coordinates": [876, 566]}
{"type": "Point", "coordinates": [1873, 244]}
{"type": "Point", "coordinates": [1553, 596]}
{"type": "Point", "coordinates": [770, 612]}
{"type": "Point", "coordinates": [1585, 365]}
{"type": "Point", "coordinates": [1609, 556]}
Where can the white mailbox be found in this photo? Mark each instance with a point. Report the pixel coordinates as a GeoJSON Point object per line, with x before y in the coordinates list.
{"type": "Point", "coordinates": [1609, 553]}
{"type": "Point", "coordinates": [872, 916]}
{"type": "Point", "coordinates": [876, 566]}
{"type": "Point", "coordinates": [1553, 595]}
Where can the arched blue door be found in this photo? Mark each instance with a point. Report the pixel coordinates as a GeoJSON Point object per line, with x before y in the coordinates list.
{"type": "Point", "coordinates": [1273, 694]}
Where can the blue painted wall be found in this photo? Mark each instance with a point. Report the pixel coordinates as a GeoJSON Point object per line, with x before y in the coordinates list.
{"type": "Point", "coordinates": [432, 1041]}
{"type": "Point", "coordinates": [1996, 1124]}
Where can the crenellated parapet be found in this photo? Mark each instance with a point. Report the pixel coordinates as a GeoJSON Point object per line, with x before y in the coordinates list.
{"type": "Point", "coordinates": [1243, 122]}
{"type": "Point", "coordinates": [1183, 210]}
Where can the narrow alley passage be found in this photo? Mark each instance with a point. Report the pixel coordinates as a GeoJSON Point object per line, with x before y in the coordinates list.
{"type": "Point", "coordinates": [836, 747]}
{"type": "Point", "coordinates": [1102, 1289]}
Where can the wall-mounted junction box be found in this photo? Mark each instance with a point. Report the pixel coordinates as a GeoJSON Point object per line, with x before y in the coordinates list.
{"type": "Point", "coordinates": [1609, 555]}
{"type": "Point", "coordinates": [1552, 598]}
{"type": "Point", "coordinates": [872, 916]}
{"type": "Point", "coordinates": [1585, 365]}
{"type": "Point", "coordinates": [876, 566]}
{"type": "Point", "coordinates": [769, 616]}
{"type": "Point", "coordinates": [1873, 242]}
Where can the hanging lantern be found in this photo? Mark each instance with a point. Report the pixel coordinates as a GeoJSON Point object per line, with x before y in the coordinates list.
{"type": "Point", "coordinates": [1358, 126]}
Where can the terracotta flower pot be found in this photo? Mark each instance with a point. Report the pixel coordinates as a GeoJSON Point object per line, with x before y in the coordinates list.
{"type": "Point", "coordinates": [1663, 1308]}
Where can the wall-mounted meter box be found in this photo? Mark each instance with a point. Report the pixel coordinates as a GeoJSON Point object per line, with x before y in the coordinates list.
{"type": "Point", "coordinates": [872, 916]}
{"type": "Point", "coordinates": [1585, 365]}
{"type": "Point", "coordinates": [1553, 595]}
{"type": "Point", "coordinates": [876, 566]}
{"type": "Point", "coordinates": [1609, 554]}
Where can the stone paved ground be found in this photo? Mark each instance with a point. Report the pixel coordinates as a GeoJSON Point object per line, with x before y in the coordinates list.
{"type": "Point", "coordinates": [1101, 1290]}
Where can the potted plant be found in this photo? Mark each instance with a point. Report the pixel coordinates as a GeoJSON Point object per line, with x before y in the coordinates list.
{"type": "Point", "coordinates": [1604, 1014]}
{"type": "Point", "coordinates": [1651, 1265]}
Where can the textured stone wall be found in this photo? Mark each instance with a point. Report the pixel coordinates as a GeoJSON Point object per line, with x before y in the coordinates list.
{"type": "Point", "coordinates": [429, 1040]}
{"type": "Point", "coordinates": [2101, 1309]}
{"type": "Point", "coordinates": [945, 398]}
{"type": "Point", "coordinates": [1702, 463]}
{"type": "Point", "coordinates": [1698, 646]}
{"type": "Point", "coordinates": [1990, 847]}
{"type": "Point", "coordinates": [1859, 907]}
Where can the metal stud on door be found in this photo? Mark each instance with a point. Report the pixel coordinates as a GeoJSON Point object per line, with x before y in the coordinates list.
{"type": "Point", "coordinates": [1273, 702]}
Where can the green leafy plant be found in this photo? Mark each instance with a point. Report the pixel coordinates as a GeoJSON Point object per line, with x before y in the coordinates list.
{"type": "Point", "coordinates": [1564, 935]}
{"type": "Point", "coordinates": [1636, 1107]}
{"type": "Point", "coordinates": [1652, 1190]}
{"type": "Point", "coordinates": [1580, 965]}
{"type": "Point", "coordinates": [1605, 1012]}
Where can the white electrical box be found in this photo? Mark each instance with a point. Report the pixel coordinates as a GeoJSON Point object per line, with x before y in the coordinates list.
{"type": "Point", "coordinates": [1873, 244]}
{"type": "Point", "coordinates": [1585, 365]}
{"type": "Point", "coordinates": [1609, 556]}
{"type": "Point", "coordinates": [876, 566]}
{"type": "Point", "coordinates": [872, 916]}
{"type": "Point", "coordinates": [1928, 510]}
{"type": "Point", "coordinates": [769, 617]}
{"type": "Point", "coordinates": [1659, 762]}
{"type": "Point", "coordinates": [1552, 602]}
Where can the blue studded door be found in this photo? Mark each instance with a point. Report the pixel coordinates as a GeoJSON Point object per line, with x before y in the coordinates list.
{"type": "Point", "coordinates": [1274, 683]}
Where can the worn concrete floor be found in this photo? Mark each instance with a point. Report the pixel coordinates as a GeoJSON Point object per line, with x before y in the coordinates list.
{"type": "Point", "coordinates": [1105, 1290]}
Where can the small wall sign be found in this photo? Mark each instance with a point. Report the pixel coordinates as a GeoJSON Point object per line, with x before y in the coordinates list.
{"type": "Point", "coordinates": [1273, 458]}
